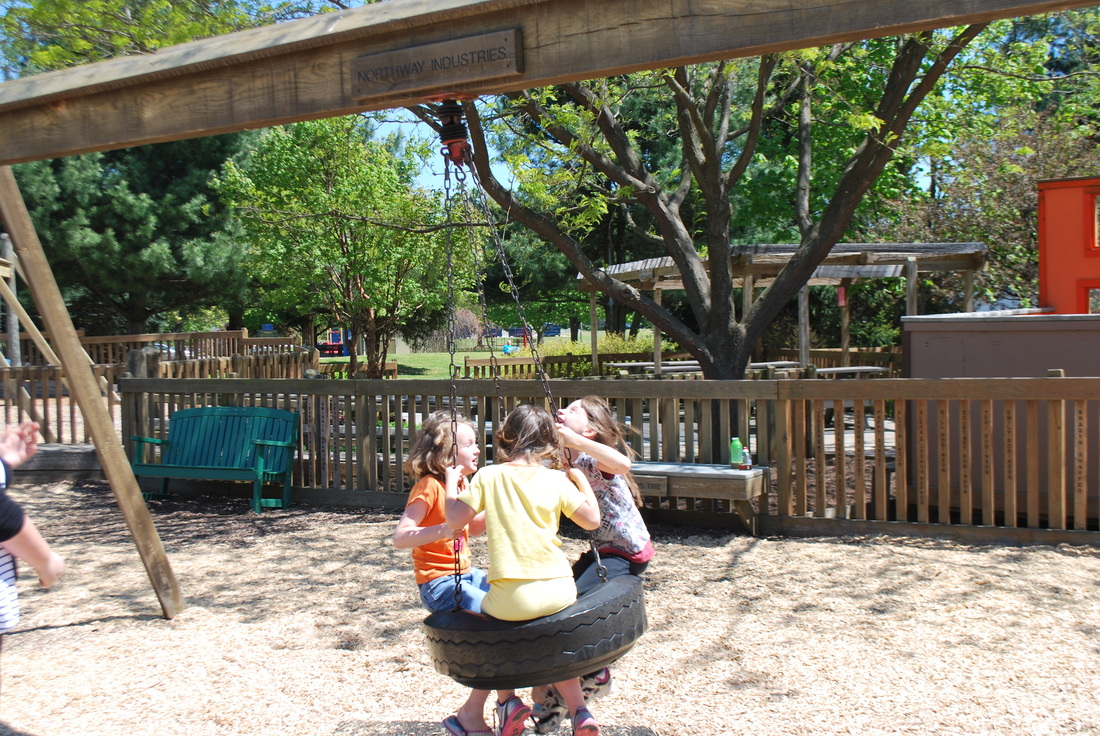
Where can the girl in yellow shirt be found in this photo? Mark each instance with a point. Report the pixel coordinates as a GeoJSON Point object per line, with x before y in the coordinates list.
{"type": "Point", "coordinates": [523, 497]}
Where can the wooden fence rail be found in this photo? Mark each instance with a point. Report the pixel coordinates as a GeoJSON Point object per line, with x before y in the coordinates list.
{"type": "Point", "coordinates": [113, 349]}
{"type": "Point", "coordinates": [40, 392]}
{"type": "Point", "coordinates": [1012, 453]}
{"type": "Point", "coordinates": [555, 366]}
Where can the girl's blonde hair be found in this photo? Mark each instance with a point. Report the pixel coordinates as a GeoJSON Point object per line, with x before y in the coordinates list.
{"type": "Point", "coordinates": [609, 432]}
{"type": "Point", "coordinates": [529, 433]}
{"type": "Point", "coordinates": [433, 450]}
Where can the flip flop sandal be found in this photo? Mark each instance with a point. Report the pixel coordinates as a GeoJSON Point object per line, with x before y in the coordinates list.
{"type": "Point", "coordinates": [454, 728]}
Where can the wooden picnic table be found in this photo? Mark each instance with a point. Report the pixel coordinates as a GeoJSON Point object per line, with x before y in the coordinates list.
{"type": "Point", "coordinates": [852, 371]}
{"type": "Point", "coordinates": [689, 366]}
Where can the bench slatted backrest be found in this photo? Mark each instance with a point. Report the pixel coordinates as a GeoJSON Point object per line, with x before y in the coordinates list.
{"type": "Point", "coordinates": [221, 437]}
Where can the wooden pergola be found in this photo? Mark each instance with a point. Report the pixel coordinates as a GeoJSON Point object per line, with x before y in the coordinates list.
{"type": "Point", "coordinates": [379, 56]}
{"type": "Point", "coordinates": [755, 266]}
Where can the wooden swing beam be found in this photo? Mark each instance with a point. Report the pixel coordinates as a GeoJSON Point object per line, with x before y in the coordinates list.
{"type": "Point", "coordinates": [384, 55]}
{"type": "Point", "coordinates": [367, 59]}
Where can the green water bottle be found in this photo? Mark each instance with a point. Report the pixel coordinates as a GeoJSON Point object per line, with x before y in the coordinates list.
{"type": "Point", "coordinates": [735, 452]}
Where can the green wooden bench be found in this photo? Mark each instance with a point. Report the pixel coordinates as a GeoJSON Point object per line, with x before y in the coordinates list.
{"type": "Point", "coordinates": [225, 443]}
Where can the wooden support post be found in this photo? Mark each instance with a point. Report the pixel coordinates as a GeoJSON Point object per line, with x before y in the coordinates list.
{"type": "Point", "coordinates": [14, 356]}
{"type": "Point", "coordinates": [804, 326]}
{"type": "Point", "coordinates": [44, 346]}
{"type": "Point", "coordinates": [593, 326]}
{"type": "Point", "coordinates": [82, 382]}
{"type": "Point", "coordinates": [656, 333]}
{"type": "Point", "coordinates": [910, 286]}
{"type": "Point", "coordinates": [845, 320]}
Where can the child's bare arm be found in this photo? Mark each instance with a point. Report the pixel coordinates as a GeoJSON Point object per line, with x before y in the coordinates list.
{"type": "Point", "coordinates": [608, 459]}
{"type": "Point", "coordinates": [409, 532]}
{"type": "Point", "coordinates": [29, 546]}
{"type": "Point", "coordinates": [458, 513]}
{"type": "Point", "coordinates": [477, 526]}
{"type": "Point", "coordinates": [587, 515]}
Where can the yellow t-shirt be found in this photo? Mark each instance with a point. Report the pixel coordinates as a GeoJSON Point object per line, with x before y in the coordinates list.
{"type": "Point", "coordinates": [523, 506]}
{"type": "Point", "coordinates": [435, 559]}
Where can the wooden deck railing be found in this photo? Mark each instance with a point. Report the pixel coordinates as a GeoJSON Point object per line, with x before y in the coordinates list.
{"type": "Point", "coordinates": [40, 392]}
{"type": "Point", "coordinates": [1008, 453]}
{"type": "Point", "coordinates": [113, 349]}
{"type": "Point", "coordinates": [555, 366]}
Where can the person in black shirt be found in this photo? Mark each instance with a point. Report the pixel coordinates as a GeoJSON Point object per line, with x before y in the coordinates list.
{"type": "Point", "coordinates": [18, 535]}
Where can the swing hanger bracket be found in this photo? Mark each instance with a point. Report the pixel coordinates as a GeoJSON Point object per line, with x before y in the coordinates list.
{"type": "Point", "coordinates": [452, 128]}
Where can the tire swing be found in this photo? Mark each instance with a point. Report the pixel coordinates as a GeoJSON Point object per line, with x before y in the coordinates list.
{"type": "Point", "coordinates": [486, 653]}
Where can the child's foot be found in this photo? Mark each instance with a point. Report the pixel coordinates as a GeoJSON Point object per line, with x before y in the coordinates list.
{"type": "Point", "coordinates": [454, 727]}
{"type": "Point", "coordinates": [511, 715]}
{"type": "Point", "coordinates": [584, 724]}
{"type": "Point", "coordinates": [549, 713]}
{"type": "Point", "coordinates": [597, 684]}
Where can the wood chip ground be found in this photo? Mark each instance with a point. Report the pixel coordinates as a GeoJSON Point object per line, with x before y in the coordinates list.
{"type": "Point", "coordinates": [305, 622]}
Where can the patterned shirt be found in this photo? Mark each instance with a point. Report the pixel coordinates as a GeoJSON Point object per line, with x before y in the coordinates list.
{"type": "Point", "coordinates": [621, 524]}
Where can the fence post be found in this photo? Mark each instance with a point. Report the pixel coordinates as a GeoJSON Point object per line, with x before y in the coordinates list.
{"type": "Point", "coordinates": [779, 412]}
{"type": "Point", "coordinates": [1056, 457]}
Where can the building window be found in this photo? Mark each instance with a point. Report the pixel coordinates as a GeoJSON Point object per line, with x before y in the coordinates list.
{"type": "Point", "coordinates": [1094, 301]}
{"type": "Point", "coordinates": [1096, 223]}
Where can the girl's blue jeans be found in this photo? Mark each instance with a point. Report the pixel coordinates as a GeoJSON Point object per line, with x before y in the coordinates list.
{"type": "Point", "coordinates": [439, 594]}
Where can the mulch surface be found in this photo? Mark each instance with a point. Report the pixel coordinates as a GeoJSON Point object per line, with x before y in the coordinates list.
{"type": "Point", "coordinates": [305, 621]}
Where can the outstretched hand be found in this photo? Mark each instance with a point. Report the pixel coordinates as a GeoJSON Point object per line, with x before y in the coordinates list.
{"type": "Point", "coordinates": [18, 443]}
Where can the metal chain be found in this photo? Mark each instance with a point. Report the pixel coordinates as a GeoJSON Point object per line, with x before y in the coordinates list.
{"type": "Point", "coordinates": [453, 368]}
{"type": "Point", "coordinates": [494, 366]}
{"type": "Point", "coordinates": [526, 327]}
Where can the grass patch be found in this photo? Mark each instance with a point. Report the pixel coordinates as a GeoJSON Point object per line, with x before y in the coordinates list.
{"type": "Point", "coordinates": [430, 365]}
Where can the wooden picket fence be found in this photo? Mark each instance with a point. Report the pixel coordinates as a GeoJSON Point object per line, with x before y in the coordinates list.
{"type": "Point", "coordinates": [1019, 456]}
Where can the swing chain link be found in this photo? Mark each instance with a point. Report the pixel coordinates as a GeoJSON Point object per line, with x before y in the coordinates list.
{"type": "Point", "coordinates": [494, 365]}
{"type": "Point", "coordinates": [508, 275]}
{"type": "Point", "coordinates": [451, 349]}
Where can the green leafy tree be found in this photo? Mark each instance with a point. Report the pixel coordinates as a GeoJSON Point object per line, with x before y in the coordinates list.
{"type": "Point", "coordinates": [137, 233]}
{"type": "Point", "coordinates": [1018, 107]}
{"type": "Point", "coordinates": [134, 236]}
{"type": "Point", "coordinates": [577, 156]}
{"type": "Point", "coordinates": [335, 223]}
{"type": "Point", "coordinates": [40, 35]}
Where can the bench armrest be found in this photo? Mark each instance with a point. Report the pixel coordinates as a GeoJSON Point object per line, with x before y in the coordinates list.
{"type": "Point", "coordinates": [274, 443]}
{"type": "Point", "coordinates": [150, 440]}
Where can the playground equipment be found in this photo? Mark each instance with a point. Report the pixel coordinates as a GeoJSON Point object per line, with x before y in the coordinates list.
{"type": "Point", "coordinates": [361, 59]}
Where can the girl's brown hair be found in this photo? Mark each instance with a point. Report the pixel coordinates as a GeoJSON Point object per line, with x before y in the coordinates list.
{"type": "Point", "coordinates": [529, 433]}
{"type": "Point", "coordinates": [609, 432]}
{"type": "Point", "coordinates": [433, 450]}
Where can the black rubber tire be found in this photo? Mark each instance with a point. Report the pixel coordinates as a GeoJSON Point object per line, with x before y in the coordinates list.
{"type": "Point", "coordinates": [489, 654]}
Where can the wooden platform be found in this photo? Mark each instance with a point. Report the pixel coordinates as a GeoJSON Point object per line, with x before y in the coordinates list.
{"type": "Point", "coordinates": [692, 480]}
{"type": "Point", "coordinates": [61, 462]}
